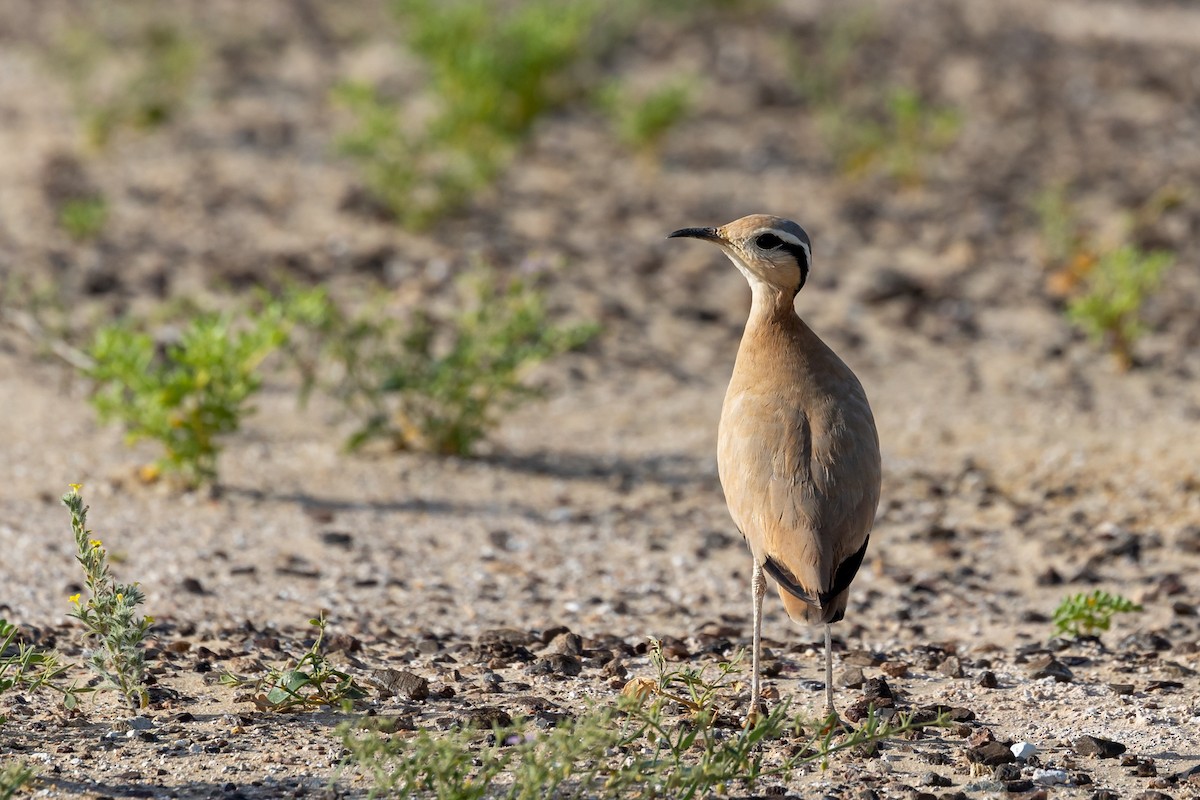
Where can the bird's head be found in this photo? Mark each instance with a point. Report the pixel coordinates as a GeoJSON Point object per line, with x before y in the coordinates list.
{"type": "Point", "coordinates": [767, 249]}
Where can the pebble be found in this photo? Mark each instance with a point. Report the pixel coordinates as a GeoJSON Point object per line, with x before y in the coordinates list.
{"type": "Point", "coordinates": [852, 678]}
{"type": "Point", "coordinates": [1047, 666]}
{"type": "Point", "coordinates": [1052, 777]}
{"type": "Point", "coordinates": [1095, 746]}
{"type": "Point", "coordinates": [990, 754]}
{"type": "Point", "coordinates": [951, 667]}
{"type": "Point", "coordinates": [393, 682]}
{"type": "Point", "coordinates": [1023, 750]}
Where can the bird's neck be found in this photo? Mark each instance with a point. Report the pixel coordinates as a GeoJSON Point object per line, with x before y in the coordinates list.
{"type": "Point", "coordinates": [770, 305]}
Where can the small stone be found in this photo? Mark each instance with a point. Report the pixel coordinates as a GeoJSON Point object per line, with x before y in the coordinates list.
{"type": "Point", "coordinates": [1121, 688]}
{"type": "Point", "coordinates": [877, 689]}
{"type": "Point", "coordinates": [337, 539]}
{"type": "Point", "coordinates": [933, 779]}
{"type": "Point", "coordinates": [192, 586]}
{"type": "Point", "coordinates": [565, 643]}
{"type": "Point", "coordinates": [392, 682]}
{"type": "Point", "coordinates": [894, 669]}
{"type": "Point", "coordinates": [852, 678]}
{"type": "Point", "coordinates": [990, 754]}
{"type": "Point", "coordinates": [862, 658]}
{"type": "Point", "coordinates": [1051, 777]}
{"type": "Point", "coordinates": [1095, 746]}
{"type": "Point", "coordinates": [986, 680]}
{"type": "Point", "coordinates": [1021, 785]}
{"type": "Point", "coordinates": [980, 737]}
{"type": "Point", "coordinates": [1006, 772]}
{"type": "Point", "coordinates": [1150, 794]}
{"type": "Point", "coordinates": [1105, 794]}
{"type": "Point", "coordinates": [557, 664]}
{"type": "Point", "coordinates": [486, 717]}
{"type": "Point", "coordinates": [1047, 666]}
{"type": "Point", "coordinates": [1023, 750]}
{"type": "Point", "coordinates": [951, 667]}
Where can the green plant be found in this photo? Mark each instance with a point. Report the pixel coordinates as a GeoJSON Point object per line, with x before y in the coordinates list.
{"type": "Point", "coordinates": [1086, 614]}
{"type": "Point", "coordinates": [309, 683]}
{"type": "Point", "coordinates": [898, 139]}
{"type": "Point", "coordinates": [494, 70]}
{"type": "Point", "coordinates": [30, 668]}
{"type": "Point", "coordinates": [641, 122]}
{"type": "Point", "coordinates": [83, 218]}
{"type": "Point", "coordinates": [13, 776]}
{"type": "Point", "coordinates": [638, 746]}
{"type": "Point", "coordinates": [154, 71]}
{"type": "Point", "coordinates": [1115, 291]}
{"type": "Point", "coordinates": [187, 394]}
{"type": "Point", "coordinates": [109, 615]}
{"type": "Point", "coordinates": [440, 384]}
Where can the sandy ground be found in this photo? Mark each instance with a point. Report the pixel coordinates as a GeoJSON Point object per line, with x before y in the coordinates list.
{"type": "Point", "coordinates": [1020, 464]}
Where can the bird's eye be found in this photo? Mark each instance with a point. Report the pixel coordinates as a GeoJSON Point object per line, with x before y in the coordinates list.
{"type": "Point", "coordinates": [768, 241]}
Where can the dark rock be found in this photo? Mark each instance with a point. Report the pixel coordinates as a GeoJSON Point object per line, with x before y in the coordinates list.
{"type": "Point", "coordinates": [1095, 746]}
{"type": "Point", "coordinates": [566, 643]}
{"type": "Point", "coordinates": [1121, 688]}
{"type": "Point", "coordinates": [862, 658]}
{"type": "Point", "coordinates": [934, 779]}
{"type": "Point", "coordinates": [1047, 666]}
{"type": "Point", "coordinates": [394, 682]}
{"type": "Point", "coordinates": [986, 680]}
{"type": "Point", "coordinates": [1150, 794]}
{"type": "Point", "coordinates": [557, 664]}
{"type": "Point", "coordinates": [1007, 772]}
{"type": "Point", "coordinates": [1145, 642]}
{"type": "Point", "coordinates": [1021, 785]}
{"type": "Point", "coordinates": [894, 669]}
{"type": "Point", "coordinates": [337, 539]}
{"type": "Point", "coordinates": [877, 689]}
{"type": "Point", "coordinates": [981, 736]}
{"type": "Point", "coordinates": [990, 754]}
{"type": "Point", "coordinates": [192, 586]}
{"type": "Point", "coordinates": [852, 678]}
{"type": "Point", "coordinates": [1105, 794]}
{"type": "Point", "coordinates": [951, 667]}
{"type": "Point", "coordinates": [485, 718]}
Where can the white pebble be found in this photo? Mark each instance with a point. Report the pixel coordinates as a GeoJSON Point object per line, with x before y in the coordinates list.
{"type": "Point", "coordinates": [1023, 750]}
{"type": "Point", "coordinates": [1051, 777]}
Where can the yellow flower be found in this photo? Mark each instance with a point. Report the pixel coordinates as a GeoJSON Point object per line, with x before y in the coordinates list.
{"type": "Point", "coordinates": [95, 542]}
{"type": "Point", "coordinates": [77, 487]}
{"type": "Point", "coordinates": [75, 598]}
{"type": "Point", "coordinates": [120, 597]}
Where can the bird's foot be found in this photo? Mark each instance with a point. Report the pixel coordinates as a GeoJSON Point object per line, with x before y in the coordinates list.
{"type": "Point", "coordinates": [757, 711]}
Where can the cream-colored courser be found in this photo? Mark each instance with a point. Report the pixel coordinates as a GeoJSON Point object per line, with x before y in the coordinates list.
{"type": "Point", "coordinates": [797, 449]}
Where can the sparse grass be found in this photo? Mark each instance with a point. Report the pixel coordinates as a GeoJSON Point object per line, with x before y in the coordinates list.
{"type": "Point", "coordinates": [494, 70]}
{"type": "Point", "coordinates": [312, 682]}
{"type": "Point", "coordinates": [30, 668]}
{"type": "Point", "coordinates": [152, 76]}
{"type": "Point", "coordinates": [897, 139]}
{"type": "Point", "coordinates": [642, 121]}
{"type": "Point", "coordinates": [1115, 291]}
{"type": "Point", "coordinates": [1088, 614]}
{"type": "Point", "coordinates": [187, 393]}
{"type": "Point", "coordinates": [109, 614]}
{"type": "Point", "coordinates": [13, 776]}
{"type": "Point", "coordinates": [83, 218]}
{"type": "Point", "coordinates": [821, 70]}
{"type": "Point", "coordinates": [638, 746]}
{"type": "Point", "coordinates": [439, 383]}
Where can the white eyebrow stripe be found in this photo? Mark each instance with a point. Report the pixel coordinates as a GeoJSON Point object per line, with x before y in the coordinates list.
{"type": "Point", "coordinates": [785, 236]}
{"type": "Point", "coordinates": [790, 239]}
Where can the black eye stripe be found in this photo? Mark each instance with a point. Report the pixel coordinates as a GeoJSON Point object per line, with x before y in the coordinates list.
{"type": "Point", "coordinates": [768, 241]}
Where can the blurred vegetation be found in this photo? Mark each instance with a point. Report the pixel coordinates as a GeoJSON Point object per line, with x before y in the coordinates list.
{"type": "Point", "coordinates": [83, 218]}
{"type": "Point", "coordinates": [439, 383]}
{"type": "Point", "coordinates": [1104, 290]}
{"type": "Point", "coordinates": [896, 136]}
{"type": "Point", "coordinates": [495, 69]}
{"type": "Point", "coordinates": [1109, 309]}
{"type": "Point", "coordinates": [1088, 614]}
{"type": "Point", "coordinates": [187, 393]}
{"type": "Point", "coordinates": [642, 120]}
{"type": "Point", "coordinates": [139, 84]}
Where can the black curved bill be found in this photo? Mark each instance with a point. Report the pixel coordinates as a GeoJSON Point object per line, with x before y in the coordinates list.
{"type": "Point", "coordinates": [708, 234]}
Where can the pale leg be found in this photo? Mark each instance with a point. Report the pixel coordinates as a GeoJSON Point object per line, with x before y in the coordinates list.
{"type": "Point", "coordinates": [758, 588]}
{"type": "Point", "coordinates": [830, 711]}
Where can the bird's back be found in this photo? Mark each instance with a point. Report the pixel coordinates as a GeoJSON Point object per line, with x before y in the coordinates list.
{"type": "Point", "coordinates": [798, 457]}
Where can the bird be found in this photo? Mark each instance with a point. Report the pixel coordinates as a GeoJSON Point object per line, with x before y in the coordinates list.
{"type": "Point", "coordinates": [797, 447]}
